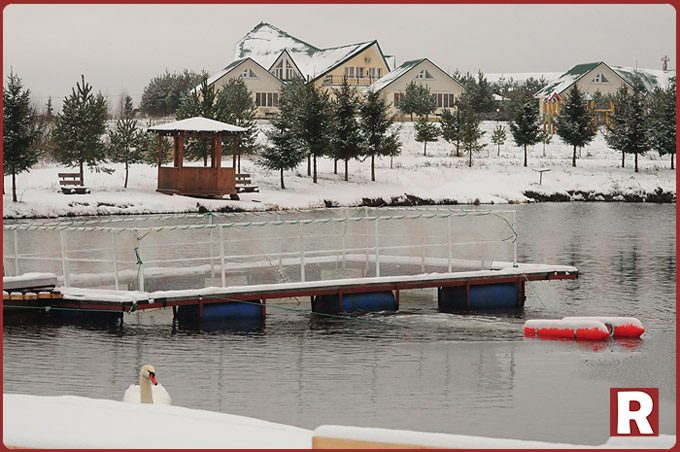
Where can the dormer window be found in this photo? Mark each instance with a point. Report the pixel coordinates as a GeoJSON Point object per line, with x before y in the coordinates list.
{"type": "Point", "coordinates": [599, 78]}
{"type": "Point", "coordinates": [248, 73]}
{"type": "Point", "coordinates": [424, 75]}
{"type": "Point", "coordinates": [284, 70]}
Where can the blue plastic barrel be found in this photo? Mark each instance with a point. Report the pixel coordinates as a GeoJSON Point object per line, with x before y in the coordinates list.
{"type": "Point", "coordinates": [482, 296]}
{"type": "Point", "coordinates": [352, 302]}
{"type": "Point", "coordinates": [231, 310]}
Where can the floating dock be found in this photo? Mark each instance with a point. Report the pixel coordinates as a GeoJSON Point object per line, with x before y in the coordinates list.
{"type": "Point", "coordinates": [230, 265]}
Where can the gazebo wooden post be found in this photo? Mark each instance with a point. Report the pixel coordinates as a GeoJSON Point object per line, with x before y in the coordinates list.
{"type": "Point", "coordinates": [180, 151]}
{"type": "Point", "coordinates": [218, 150]}
{"type": "Point", "coordinates": [160, 150]}
{"type": "Point", "coordinates": [235, 152]}
{"type": "Point", "coordinates": [175, 152]}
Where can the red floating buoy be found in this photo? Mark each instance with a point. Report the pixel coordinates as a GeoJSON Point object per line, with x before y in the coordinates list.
{"type": "Point", "coordinates": [619, 326]}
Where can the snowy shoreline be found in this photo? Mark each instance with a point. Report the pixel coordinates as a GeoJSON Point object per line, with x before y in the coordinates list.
{"type": "Point", "coordinates": [413, 179]}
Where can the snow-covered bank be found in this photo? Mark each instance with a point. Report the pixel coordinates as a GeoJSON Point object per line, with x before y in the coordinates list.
{"type": "Point", "coordinates": [79, 422]}
{"type": "Point", "coordinates": [413, 179]}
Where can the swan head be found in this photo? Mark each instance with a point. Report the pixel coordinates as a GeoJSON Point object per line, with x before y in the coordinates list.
{"type": "Point", "coordinates": [149, 373]}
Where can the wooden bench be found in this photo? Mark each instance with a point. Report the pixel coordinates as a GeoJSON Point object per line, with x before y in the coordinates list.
{"type": "Point", "coordinates": [72, 183]}
{"type": "Point", "coordinates": [244, 184]}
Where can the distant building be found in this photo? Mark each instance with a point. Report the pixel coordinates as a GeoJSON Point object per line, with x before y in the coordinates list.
{"type": "Point", "coordinates": [592, 78]}
{"type": "Point", "coordinates": [267, 57]}
{"type": "Point", "coordinates": [443, 87]}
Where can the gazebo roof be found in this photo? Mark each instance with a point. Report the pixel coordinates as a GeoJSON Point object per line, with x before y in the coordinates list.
{"type": "Point", "coordinates": [197, 124]}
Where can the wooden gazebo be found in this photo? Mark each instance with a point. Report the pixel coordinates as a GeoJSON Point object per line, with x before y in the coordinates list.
{"type": "Point", "coordinates": [211, 181]}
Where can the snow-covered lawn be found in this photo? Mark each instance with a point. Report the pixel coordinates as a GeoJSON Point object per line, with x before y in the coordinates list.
{"type": "Point", "coordinates": [439, 177]}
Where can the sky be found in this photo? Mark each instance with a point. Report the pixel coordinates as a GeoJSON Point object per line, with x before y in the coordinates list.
{"type": "Point", "coordinates": [120, 48]}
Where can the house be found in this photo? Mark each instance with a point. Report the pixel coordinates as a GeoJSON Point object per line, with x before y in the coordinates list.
{"type": "Point", "coordinates": [267, 57]}
{"type": "Point", "coordinates": [592, 78]}
{"type": "Point", "coordinates": [443, 87]}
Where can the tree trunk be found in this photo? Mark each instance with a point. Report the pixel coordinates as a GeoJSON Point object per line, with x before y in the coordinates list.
{"type": "Point", "coordinates": [623, 159]}
{"type": "Point", "coordinates": [335, 166]}
{"type": "Point", "coordinates": [309, 164]}
{"type": "Point", "coordinates": [573, 158]}
{"type": "Point", "coordinates": [82, 176]}
{"type": "Point", "coordinates": [525, 155]}
{"type": "Point", "coordinates": [544, 149]}
{"type": "Point", "coordinates": [391, 161]}
{"type": "Point", "coordinates": [126, 173]}
{"type": "Point", "coordinates": [283, 187]}
{"type": "Point", "coordinates": [458, 148]}
{"type": "Point", "coordinates": [672, 163]}
{"type": "Point", "coordinates": [346, 170]}
{"type": "Point", "coordinates": [14, 187]}
{"type": "Point", "coordinates": [314, 157]}
{"type": "Point", "coordinates": [499, 150]}
{"type": "Point", "coordinates": [425, 149]}
{"type": "Point", "coordinates": [470, 158]}
{"type": "Point", "coordinates": [373, 167]}
{"type": "Point", "coordinates": [636, 162]}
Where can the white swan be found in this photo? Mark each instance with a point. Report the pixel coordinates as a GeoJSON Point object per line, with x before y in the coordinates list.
{"type": "Point", "coordinates": [144, 392]}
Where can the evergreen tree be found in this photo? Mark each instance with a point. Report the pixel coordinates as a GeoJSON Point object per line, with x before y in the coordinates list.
{"type": "Point", "coordinates": [164, 94]}
{"type": "Point", "coordinates": [628, 125]}
{"type": "Point", "coordinates": [426, 132]}
{"type": "Point", "coordinates": [79, 127]}
{"type": "Point", "coordinates": [126, 144]}
{"type": "Point", "coordinates": [314, 124]}
{"type": "Point", "coordinates": [662, 121]}
{"type": "Point", "coordinates": [375, 128]}
{"type": "Point", "coordinates": [471, 133]}
{"type": "Point", "coordinates": [575, 124]}
{"type": "Point", "coordinates": [347, 142]}
{"type": "Point", "coordinates": [417, 99]}
{"type": "Point", "coordinates": [286, 150]}
{"type": "Point", "coordinates": [21, 130]}
{"type": "Point", "coordinates": [526, 128]}
{"type": "Point", "coordinates": [451, 123]}
{"type": "Point", "coordinates": [201, 102]}
{"type": "Point", "coordinates": [498, 137]}
{"type": "Point", "coordinates": [149, 148]}
{"type": "Point", "coordinates": [126, 107]}
{"type": "Point", "coordinates": [49, 110]}
{"type": "Point", "coordinates": [235, 106]}
{"type": "Point", "coordinates": [479, 94]}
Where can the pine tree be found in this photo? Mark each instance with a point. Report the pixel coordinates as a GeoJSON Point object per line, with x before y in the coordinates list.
{"type": "Point", "coordinates": [375, 128]}
{"type": "Point", "coordinates": [164, 93]}
{"type": "Point", "coordinates": [478, 94]}
{"type": "Point", "coordinates": [426, 132]}
{"type": "Point", "coordinates": [201, 102]}
{"type": "Point", "coordinates": [49, 110]}
{"type": "Point", "coordinates": [498, 137]}
{"type": "Point", "coordinates": [451, 123]}
{"type": "Point", "coordinates": [575, 124]}
{"type": "Point", "coordinates": [314, 124]}
{"type": "Point", "coordinates": [661, 122]}
{"type": "Point", "coordinates": [235, 106]}
{"type": "Point", "coordinates": [628, 127]}
{"type": "Point", "coordinates": [126, 144]}
{"type": "Point", "coordinates": [471, 133]}
{"type": "Point", "coordinates": [21, 130]}
{"type": "Point", "coordinates": [525, 128]}
{"type": "Point", "coordinates": [418, 100]}
{"type": "Point", "coordinates": [347, 142]}
{"type": "Point", "coordinates": [79, 127]}
{"type": "Point", "coordinates": [149, 147]}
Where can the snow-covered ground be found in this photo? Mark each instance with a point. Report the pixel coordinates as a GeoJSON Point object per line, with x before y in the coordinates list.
{"type": "Point", "coordinates": [439, 177]}
{"type": "Point", "coordinates": [34, 422]}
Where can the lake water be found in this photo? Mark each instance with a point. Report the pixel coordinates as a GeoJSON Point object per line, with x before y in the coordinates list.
{"type": "Point", "coordinates": [417, 369]}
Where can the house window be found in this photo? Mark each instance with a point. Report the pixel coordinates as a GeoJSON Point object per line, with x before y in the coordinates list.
{"type": "Point", "coordinates": [424, 75]}
{"type": "Point", "coordinates": [600, 78]}
{"type": "Point", "coordinates": [328, 80]}
{"type": "Point", "coordinates": [396, 98]}
{"type": "Point", "coordinates": [444, 100]}
{"type": "Point", "coordinates": [248, 73]}
{"type": "Point", "coordinates": [278, 70]}
{"type": "Point", "coordinates": [267, 99]}
{"type": "Point", "coordinates": [352, 72]}
{"type": "Point", "coordinates": [374, 73]}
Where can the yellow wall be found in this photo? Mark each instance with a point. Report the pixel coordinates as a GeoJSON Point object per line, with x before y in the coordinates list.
{"type": "Point", "coordinates": [265, 82]}
{"type": "Point", "coordinates": [358, 60]}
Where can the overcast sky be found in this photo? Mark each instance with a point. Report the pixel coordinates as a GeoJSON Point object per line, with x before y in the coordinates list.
{"type": "Point", "coordinates": [121, 47]}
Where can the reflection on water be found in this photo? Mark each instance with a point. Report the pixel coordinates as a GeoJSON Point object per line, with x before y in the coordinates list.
{"type": "Point", "coordinates": [416, 369]}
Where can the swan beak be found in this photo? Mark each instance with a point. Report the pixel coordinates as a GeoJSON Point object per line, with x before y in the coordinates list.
{"type": "Point", "coordinates": [152, 377]}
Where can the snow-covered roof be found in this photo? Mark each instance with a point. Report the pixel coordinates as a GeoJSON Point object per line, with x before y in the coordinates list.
{"type": "Point", "coordinates": [651, 78]}
{"type": "Point", "coordinates": [521, 77]}
{"type": "Point", "coordinates": [197, 124]}
{"type": "Point", "coordinates": [265, 43]}
{"type": "Point", "coordinates": [399, 72]}
{"type": "Point", "coordinates": [230, 67]}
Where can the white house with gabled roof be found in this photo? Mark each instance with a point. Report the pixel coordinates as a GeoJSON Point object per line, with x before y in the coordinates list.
{"type": "Point", "coordinates": [443, 87]}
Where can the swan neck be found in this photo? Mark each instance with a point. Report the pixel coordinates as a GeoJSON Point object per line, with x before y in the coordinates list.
{"type": "Point", "coordinates": [145, 390]}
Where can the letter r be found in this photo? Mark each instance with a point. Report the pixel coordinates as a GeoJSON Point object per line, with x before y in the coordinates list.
{"type": "Point", "coordinates": [639, 416]}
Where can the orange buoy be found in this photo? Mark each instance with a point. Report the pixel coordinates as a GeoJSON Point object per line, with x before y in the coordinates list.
{"type": "Point", "coordinates": [573, 329]}
{"type": "Point", "coordinates": [619, 326]}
